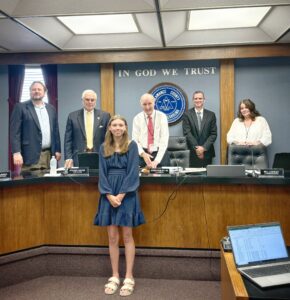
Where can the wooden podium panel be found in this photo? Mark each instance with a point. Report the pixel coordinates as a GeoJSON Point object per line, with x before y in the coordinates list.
{"type": "Point", "coordinates": [196, 216]}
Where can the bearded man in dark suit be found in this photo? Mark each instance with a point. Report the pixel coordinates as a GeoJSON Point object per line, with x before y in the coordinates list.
{"type": "Point", "coordinates": [200, 129]}
{"type": "Point", "coordinates": [34, 132]}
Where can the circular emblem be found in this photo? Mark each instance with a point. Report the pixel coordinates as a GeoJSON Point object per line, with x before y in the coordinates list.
{"type": "Point", "coordinates": [171, 100]}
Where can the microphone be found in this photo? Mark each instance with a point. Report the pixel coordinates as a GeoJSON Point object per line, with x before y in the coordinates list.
{"type": "Point", "coordinates": [176, 163]}
{"type": "Point", "coordinates": [254, 174]}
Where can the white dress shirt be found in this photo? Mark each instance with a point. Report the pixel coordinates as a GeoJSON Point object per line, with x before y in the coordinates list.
{"type": "Point", "coordinates": [201, 112]}
{"type": "Point", "coordinates": [161, 133]}
{"type": "Point", "coordinates": [44, 123]}
{"type": "Point", "coordinates": [258, 131]}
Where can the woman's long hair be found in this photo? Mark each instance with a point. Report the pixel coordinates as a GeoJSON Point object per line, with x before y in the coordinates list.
{"type": "Point", "coordinates": [250, 105]}
{"type": "Point", "coordinates": [109, 143]}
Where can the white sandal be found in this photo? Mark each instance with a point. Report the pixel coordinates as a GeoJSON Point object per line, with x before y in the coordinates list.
{"type": "Point", "coordinates": [112, 285]}
{"type": "Point", "coordinates": [128, 287]}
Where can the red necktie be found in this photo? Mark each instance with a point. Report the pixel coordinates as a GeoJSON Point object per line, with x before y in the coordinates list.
{"type": "Point", "coordinates": [150, 133]}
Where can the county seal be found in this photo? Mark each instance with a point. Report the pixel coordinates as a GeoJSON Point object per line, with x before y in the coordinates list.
{"type": "Point", "coordinates": [171, 100]}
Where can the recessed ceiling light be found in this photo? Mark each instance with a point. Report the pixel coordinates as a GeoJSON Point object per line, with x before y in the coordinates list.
{"type": "Point", "coordinates": [226, 18]}
{"type": "Point", "coordinates": [100, 24]}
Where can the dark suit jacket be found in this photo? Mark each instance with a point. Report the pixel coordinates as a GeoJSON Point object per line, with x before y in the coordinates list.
{"type": "Point", "coordinates": [207, 135]}
{"type": "Point", "coordinates": [75, 140]}
{"type": "Point", "coordinates": [25, 132]}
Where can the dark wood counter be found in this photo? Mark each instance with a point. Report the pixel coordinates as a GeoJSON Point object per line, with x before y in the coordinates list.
{"type": "Point", "coordinates": [38, 210]}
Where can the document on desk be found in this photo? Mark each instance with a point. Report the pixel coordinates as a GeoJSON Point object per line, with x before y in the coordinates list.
{"type": "Point", "coordinates": [193, 171]}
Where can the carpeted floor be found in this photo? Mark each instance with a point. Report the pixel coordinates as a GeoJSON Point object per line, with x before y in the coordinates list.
{"type": "Point", "coordinates": [91, 288]}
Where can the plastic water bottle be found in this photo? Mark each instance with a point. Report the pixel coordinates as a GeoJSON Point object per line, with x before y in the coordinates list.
{"type": "Point", "coordinates": [53, 165]}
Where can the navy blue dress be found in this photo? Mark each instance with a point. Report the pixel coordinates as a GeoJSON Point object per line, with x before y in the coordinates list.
{"type": "Point", "coordinates": [119, 174]}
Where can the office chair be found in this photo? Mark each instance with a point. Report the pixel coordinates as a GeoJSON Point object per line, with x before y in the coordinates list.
{"type": "Point", "coordinates": [282, 160]}
{"type": "Point", "coordinates": [250, 156]}
{"type": "Point", "coordinates": [179, 154]}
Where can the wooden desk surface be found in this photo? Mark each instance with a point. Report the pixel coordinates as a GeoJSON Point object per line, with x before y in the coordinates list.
{"type": "Point", "coordinates": [232, 285]}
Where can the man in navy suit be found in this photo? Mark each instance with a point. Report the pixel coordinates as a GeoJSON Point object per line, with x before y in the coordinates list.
{"type": "Point", "coordinates": [34, 132]}
{"type": "Point", "coordinates": [200, 130]}
{"type": "Point", "coordinates": [77, 137]}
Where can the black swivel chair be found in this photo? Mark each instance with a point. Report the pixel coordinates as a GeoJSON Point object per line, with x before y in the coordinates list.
{"type": "Point", "coordinates": [250, 156]}
{"type": "Point", "coordinates": [282, 160]}
{"type": "Point", "coordinates": [179, 154]}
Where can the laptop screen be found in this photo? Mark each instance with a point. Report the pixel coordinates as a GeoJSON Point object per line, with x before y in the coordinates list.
{"type": "Point", "coordinates": [89, 159]}
{"type": "Point", "coordinates": [257, 243]}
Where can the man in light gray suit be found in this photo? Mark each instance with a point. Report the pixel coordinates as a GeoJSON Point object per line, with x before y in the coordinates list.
{"type": "Point", "coordinates": [85, 129]}
{"type": "Point", "coordinates": [200, 130]}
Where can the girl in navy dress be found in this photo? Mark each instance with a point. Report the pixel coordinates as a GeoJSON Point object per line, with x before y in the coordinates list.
{"type": "Point", "coordinates": [119, 204]}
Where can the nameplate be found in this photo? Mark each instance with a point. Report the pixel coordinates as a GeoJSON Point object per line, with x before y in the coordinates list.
{"type": "Point", "coordinates": [159, 171]}
{"type": "Point", "coordinates": [78, 171]}
{"type": "Point", "coordinates": [272, 173]}
{"type": "Point", "coordinates": [5, 176]}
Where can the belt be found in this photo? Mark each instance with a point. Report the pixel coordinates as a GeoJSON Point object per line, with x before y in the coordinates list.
{"type": "Point", "coordinates": [116, 171]}
{"type": "Point", "coordinates": [45, 149]}
{"type": "Point", "coordinates": [89, 150]}
{"type": "Point", "coordinates": [37, 169]}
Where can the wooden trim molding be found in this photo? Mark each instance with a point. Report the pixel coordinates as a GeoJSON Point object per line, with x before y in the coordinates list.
{"type": "Point", "coordinates": [107, 88]}
{"type": "Point", "coordinates": [197, 53]}
{"type": "Point", "coordinates": [227, 102]}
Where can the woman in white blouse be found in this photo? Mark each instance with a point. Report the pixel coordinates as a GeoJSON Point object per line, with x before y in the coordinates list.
{"type": "Point", "coordinates": [249, 128]}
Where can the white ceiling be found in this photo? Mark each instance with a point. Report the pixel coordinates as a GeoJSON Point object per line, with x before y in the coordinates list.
{"type": "Point", "coordinates": [32, 26]}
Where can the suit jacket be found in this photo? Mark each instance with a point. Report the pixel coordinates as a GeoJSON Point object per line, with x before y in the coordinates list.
{"type": "Point", "coordinates": [207, 135]}
{"type": "Point", "coordinates": [75, 140]}
{"type": "Point", "coordinates": [25, 131]}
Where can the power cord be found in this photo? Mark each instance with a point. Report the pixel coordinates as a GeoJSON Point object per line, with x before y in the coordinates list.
{"type": "Point", "coordinates": [171, 197]}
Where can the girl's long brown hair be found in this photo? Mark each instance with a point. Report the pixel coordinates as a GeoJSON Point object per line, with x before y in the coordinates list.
{"type": "Point", "coordinates": [109, 143]}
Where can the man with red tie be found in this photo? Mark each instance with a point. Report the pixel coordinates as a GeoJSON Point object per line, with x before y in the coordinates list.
{"type": "Point", "coordinates": [150, 132]}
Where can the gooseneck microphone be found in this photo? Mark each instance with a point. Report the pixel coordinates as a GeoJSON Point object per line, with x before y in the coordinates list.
{"type": "Point", "coordinates": [251, 147]}
{"type": "Point", "coordinates": [176, 164]}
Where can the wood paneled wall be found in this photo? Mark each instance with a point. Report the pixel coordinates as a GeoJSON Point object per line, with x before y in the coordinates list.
{"type": "Point", "coordinates": [63, 214]}
{"type": "Point", "coordinates": [226, 55]}
{"type": "Point", "coordinates": [198, 53]}
{"type": "Point", "coordinates": [108, 88]}
{"type": "Point", "coordinates": [227, 102]}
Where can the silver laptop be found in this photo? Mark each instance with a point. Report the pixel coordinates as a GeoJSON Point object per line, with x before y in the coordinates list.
{"type": "Point", "coordinates": [260, 253]}
{"type": "Point", "coordinates": [225, 170]}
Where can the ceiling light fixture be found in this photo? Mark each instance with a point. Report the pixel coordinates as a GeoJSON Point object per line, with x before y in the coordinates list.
{"type": "Point", "coordinates": [226, 18]}
{"type": "Point", "coordinates": [100, 24]}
